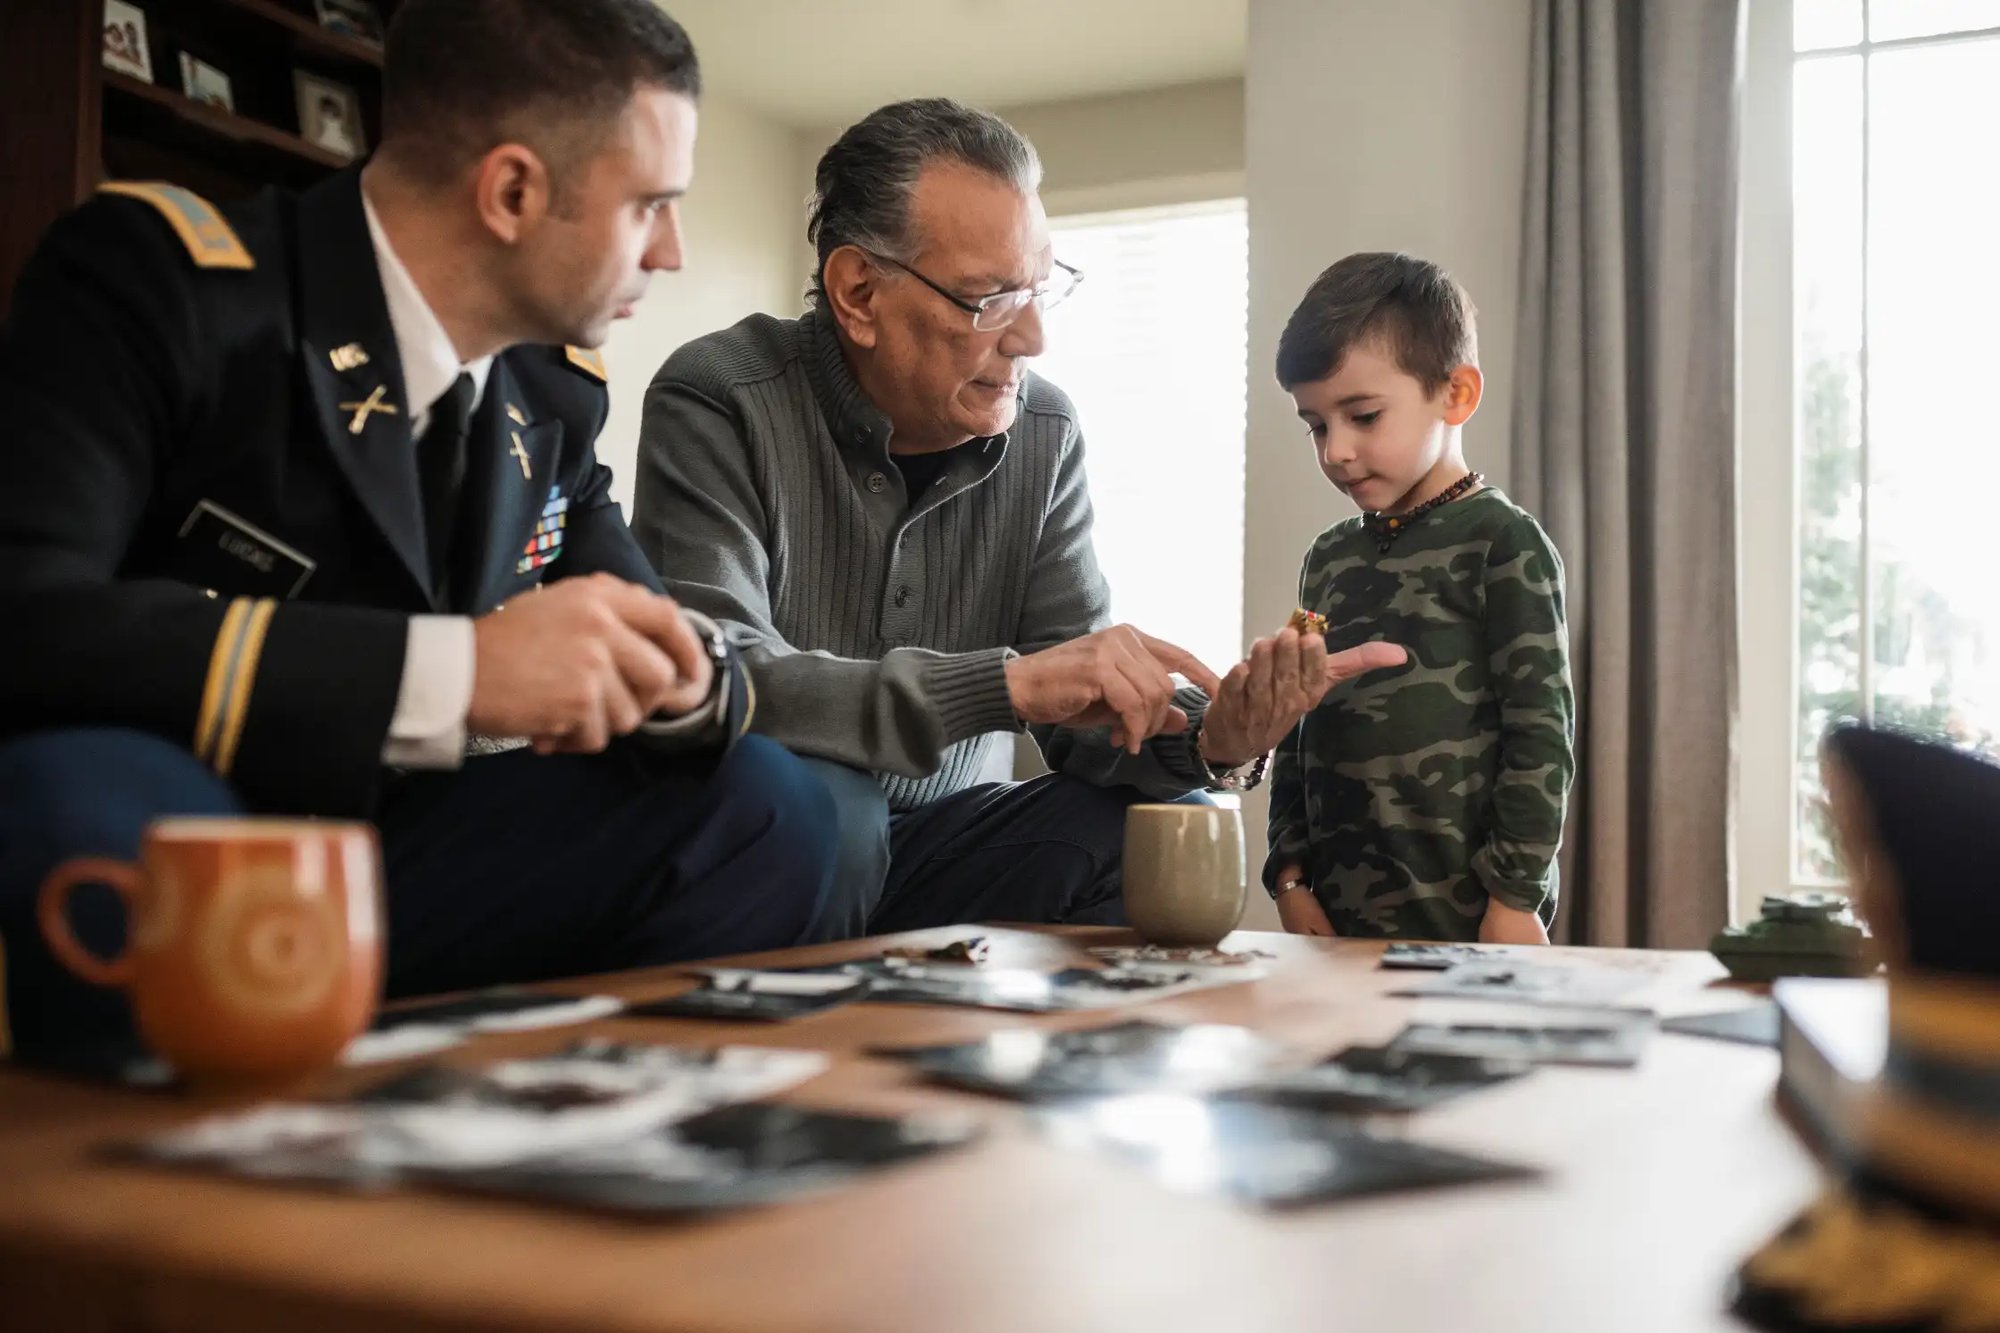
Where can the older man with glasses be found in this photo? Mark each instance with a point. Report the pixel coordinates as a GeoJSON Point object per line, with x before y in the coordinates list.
{"type": "Point", "coordinates": [888, 512]}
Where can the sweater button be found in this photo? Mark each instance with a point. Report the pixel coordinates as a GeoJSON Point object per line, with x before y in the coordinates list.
{"type": "Point", "coordinates": [877, 482]}
{"type": "Point", "coordinates": [902, 596]}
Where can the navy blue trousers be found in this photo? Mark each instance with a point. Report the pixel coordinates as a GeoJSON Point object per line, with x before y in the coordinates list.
{"type": "Point", "coordinates": [519, 867]}
{"type": "Point", "coordinates": [1049, 850]}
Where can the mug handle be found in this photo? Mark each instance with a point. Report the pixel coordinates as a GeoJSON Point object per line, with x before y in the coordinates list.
{"type": "Point", "coordinates": [53, 909]}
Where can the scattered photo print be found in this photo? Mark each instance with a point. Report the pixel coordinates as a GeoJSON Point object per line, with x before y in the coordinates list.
{"type": "Point", "coordinates": [1377, 1078]}
{"type": "Point", "coordinates": [1273, 1156]}
{"type": "Point", "coordinates": [1124, 1058]}
{"type": "Point", "coordinates": [732, 1157]}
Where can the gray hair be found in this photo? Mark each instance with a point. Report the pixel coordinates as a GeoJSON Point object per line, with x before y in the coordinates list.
{"type": "Point", "coordinates": [862, 186]}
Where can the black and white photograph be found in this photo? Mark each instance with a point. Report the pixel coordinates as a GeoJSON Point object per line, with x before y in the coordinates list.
{"type": "Point", "coordinates": [1604, 1039]}
{"type": "Point", "coordinates": [1376, 1078]}
{"type": "Point", "coordinates": [735, 1156]}
{"type": "Point", "coordinates": [1521, 982]}
{"type": "Point", "coordinates": [125, 45]}
{"type": "Point", "coordinates": [204, 83]}
{"type": "Point", "coordinates": [350, 18]}
{"type": "Point", "coordinates": [1271, 1156]}
{"type": "Point", "coordinates": [329, 115]}
{"type": "Point", "coordinates": [1123, 1058]}
{"type": "Point", "coordinates": [446, 1117]}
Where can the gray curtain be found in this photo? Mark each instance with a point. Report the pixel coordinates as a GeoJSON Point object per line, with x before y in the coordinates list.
{"type": "Point", "coordinates": [1624, 442]}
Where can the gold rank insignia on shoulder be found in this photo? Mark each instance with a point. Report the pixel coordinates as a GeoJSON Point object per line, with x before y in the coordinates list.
{"type": "Point", "coordinates": [210, 241]}
{"type": "Point", "coordinates": [589, 361]}
{"type": "Point", "coordinates": [350, 357]}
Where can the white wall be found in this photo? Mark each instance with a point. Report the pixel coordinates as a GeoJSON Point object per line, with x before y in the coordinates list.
{"type": "Point", "coordinates": [741, 222]}
{"type": "Point", "coordinates": [1135, 150]}
{"type": "Point", "coordinates": [1127, 150]}
{"type": "Point", "coordinates": [1372, 125]}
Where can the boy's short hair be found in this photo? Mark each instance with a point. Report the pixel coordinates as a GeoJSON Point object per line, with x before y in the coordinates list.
{"type": "Point", "coordinates": [1416, 308]}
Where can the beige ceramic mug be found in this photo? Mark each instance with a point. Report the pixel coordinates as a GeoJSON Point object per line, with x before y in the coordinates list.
{"type": "Point", "coordinates": [1186, 880]}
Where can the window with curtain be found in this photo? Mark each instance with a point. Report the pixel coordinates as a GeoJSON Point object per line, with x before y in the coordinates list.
{"type": "Point", "coordinates": [1896, 343]}
{"type": "Point", "coordinates": [1151, 349]}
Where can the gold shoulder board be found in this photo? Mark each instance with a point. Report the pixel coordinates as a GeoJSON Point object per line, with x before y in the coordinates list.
{"type": "Point", "coordinates": [588, 361]}
{"type": "Point", "coordinates": [209, 240]}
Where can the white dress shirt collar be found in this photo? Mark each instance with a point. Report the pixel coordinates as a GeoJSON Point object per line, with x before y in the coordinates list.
{"type": "Point", "coordinates": [430, 363]}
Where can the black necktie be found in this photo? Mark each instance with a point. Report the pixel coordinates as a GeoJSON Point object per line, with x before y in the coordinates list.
{"type": "Point", "coordinates": [441, 468]}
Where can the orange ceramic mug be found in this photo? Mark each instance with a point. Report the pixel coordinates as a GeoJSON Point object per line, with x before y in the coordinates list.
{"type": "Point", "coordinates": [254, 949]}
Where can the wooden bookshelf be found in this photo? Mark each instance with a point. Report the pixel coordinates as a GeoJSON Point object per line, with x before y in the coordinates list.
{"type": "Point", "coordinates": [211, 129]}
{"type": "Point", "coordinates": [72, 123]}
{"type": "Point", "coordinates": [307, 37]}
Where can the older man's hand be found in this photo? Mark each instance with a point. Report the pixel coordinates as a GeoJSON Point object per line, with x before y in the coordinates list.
{"type": "Point", "coordinates": [1264, 696]}
{"type": "Point", "coordinates": [1115, 677]}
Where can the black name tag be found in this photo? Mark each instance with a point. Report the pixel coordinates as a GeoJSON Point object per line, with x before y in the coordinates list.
{"type": "Point", "coordinates": [222, 551]}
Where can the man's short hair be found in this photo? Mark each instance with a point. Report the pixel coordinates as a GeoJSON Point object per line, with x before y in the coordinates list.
{"type": "Point", "coordinates": [460, 77]}
{"type": "Point", "coordinates": [1410, 305]}
{"type": "Point", "coordinates": [862, 186]}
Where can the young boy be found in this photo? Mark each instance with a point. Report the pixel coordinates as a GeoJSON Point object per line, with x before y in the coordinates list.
{"type": "Point", "coordinates": [1423, 801]}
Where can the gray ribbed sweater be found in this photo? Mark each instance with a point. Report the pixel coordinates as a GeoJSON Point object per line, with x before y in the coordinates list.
{"type": "Point", "coordinates": [876, 631]}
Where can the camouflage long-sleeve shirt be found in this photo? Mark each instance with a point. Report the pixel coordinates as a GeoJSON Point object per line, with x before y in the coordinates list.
{"type": "Point", "coordinates": [1411, 795]}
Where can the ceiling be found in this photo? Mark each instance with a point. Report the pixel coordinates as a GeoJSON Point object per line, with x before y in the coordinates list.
{"type": "Point", "coordinates": [827, 62]}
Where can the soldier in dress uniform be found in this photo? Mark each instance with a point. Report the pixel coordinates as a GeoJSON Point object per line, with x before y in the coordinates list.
{"type": "Point", "coordinates": [301, 506]}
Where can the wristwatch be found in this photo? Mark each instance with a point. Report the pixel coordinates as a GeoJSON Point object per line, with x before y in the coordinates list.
{"type": "Point", "coordinates": [717, 645]}
{"type": "Point", "coordinates": [695, 724]}
{"type": "Point", "coordinates": [1243, 777]}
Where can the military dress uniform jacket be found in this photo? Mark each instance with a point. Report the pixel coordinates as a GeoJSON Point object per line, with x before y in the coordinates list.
{"type": "Point", "coordinates": [211, 525]}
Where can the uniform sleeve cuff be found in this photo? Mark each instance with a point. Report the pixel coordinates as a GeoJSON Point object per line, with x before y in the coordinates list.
{"type": "Point", "coordinates": [428, 728]}
{"type": "Point", "coordinates": [707, 713]}
{"type": "Point", "coordinates": [969, 692]}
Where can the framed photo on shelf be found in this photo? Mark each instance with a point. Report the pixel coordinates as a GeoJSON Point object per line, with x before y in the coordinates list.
{"type": "Point", "coordinates": [125, 48]}
{"type": "Point", "coordinates": [358, 19]}
{"type": "Point", "coordinates": [329, 115]}
{"type": "Point", "coordinates": [204, 83]}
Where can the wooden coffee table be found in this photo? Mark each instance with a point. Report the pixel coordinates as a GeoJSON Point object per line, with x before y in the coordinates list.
{"type": "Point", "coordinates": [1658, 1181]}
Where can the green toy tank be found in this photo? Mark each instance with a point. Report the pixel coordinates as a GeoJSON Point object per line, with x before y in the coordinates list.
{"type": "Point", "coordinates": [1810, 935]}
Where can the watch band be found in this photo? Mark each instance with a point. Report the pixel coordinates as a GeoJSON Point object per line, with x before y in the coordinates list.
{"type": "Point", "coordinates": [1227, 779]}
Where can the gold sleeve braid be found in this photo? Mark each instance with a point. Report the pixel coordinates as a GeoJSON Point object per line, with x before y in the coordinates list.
{"type": "Point", "coordinates": [232, 674]}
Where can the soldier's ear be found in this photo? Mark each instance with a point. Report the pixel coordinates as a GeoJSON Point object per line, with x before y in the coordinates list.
{"type": "Point", "coordinates": [1462, 393]}
{"type": "Point", "coordinates": [853, 287]}
{"type": "Point", "coordinates": [511, 190]}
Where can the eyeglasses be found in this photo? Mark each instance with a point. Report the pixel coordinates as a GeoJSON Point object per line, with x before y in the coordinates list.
{"type": "Point", "coordinates": [1001, 308]}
